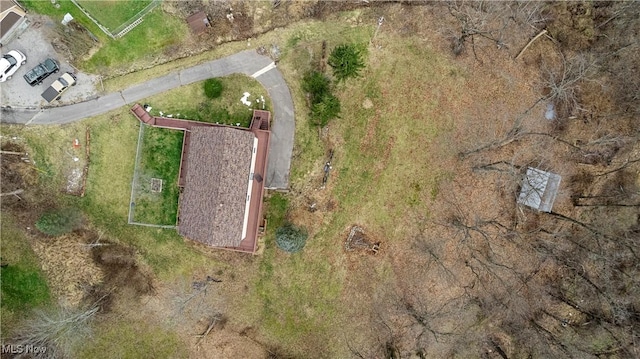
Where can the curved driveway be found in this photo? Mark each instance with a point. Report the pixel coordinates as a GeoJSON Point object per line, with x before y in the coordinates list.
{"type": "Point", "coordinates": [247, 62]}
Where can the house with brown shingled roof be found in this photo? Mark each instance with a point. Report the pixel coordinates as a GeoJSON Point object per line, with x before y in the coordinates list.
{"type": "Point", "coordinates": [221, 175]}
{"type": "Point", "coordinates": [212, 205]}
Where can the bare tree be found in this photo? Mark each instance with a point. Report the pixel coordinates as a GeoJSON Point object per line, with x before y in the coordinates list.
{"type": "Point", "coordinates": [200, 302]}
{"type": "Point", "coordinates": [57, 332]}
{"type": "Point", "coordinates": [531, 13]}
{"type": "Point", "coordinates": [564, 84]}
{"type": "Point", "coordinates": [483, 19]}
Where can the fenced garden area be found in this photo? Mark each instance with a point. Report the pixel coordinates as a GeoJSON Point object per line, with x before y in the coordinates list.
{"type": "Point", "coordinates": [154, 190]}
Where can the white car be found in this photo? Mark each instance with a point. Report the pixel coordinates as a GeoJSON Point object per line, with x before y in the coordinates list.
{"type": "Point", "coordinates": [10, 63]}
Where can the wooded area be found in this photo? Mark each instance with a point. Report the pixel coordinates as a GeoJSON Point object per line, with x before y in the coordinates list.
{"type": "Point", "coordinates": [498, 280]}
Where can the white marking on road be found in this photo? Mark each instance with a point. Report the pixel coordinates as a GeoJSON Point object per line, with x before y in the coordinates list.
{"type": "Point", "coordinates": [33, 118]}
{"type": "Point", "coordinates": [265, 69]}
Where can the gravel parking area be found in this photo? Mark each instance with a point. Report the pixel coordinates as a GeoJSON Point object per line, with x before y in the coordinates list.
{"type": "Point", "coordinates": [35, 45]}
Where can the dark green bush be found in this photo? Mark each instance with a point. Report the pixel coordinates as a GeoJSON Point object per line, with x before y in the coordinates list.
{"type": "Point", "coordinates": [324, 105]}
{"type": "Point", "coordinates": [213, 88]}
{"type": "Point", "coordinates": [328, 108]}
{"type": "Point", "coordinates": [346, 61]}
{"type": "Point", "coordinates": [291, 238]}
{"type": "Point", "coordinates": [60, 221]}
{"type": "Point", "coordinates": [317, 85]}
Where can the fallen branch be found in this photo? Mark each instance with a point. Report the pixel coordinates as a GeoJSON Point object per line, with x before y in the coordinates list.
{"type": "Point", "coordinates": [214, 321]}
{"type": "Point", "coordinates": [16, 192]}
{"type": "Point", "coordinates": [530, 42]}
{"type": "Point", "coordinates": [513, 134]}
{"type": "Point", "coordinates": [85, 170]}
{"type": "Point", "coordinates": [625, 165]}
{"type": "Point", "coordinates": [13, 153]}
{"type": "Point", "coordinates": [583, 225]}
{"type": "Point", "coordinates": [550, 136]}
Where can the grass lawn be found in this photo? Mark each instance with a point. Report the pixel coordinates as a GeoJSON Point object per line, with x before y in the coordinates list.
{"type": "Point", "coordinates": [296, 298]}
{"type": "Point", "coordinates": [189, 102]}
{"type": "Point", "coordinates": [159, 159]}
{"type": "Point", "coordinates": [113, 147]}
{"type": "Point", "coordinates": [146, 41]}
{"type": "Point", "coordinates": [23, 284]}
{"type": "Point", "coordinates": [373, 181]}
{"type": "Point", "coordinates": [404, 122]}
{"type": "Point", "coordinates": [112, 14]}
{"type": "Point", "coordinates": [289, 299]}
{"type": "Point", "coordinates": [113, 151]}
{"type": "Point", "coordinates": [127, 338]}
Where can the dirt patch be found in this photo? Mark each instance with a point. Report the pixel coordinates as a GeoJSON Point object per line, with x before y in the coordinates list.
{"type": "Point", "coordinates": [367, 103]}
{"type": "Point", "coordinates": [195, 307]}
{"type": "Point", "coordinates": [573, 24]}
{"type": "Point", "coordinates": [84, 267]}
{"type": "Point", "coordinates": [18, 182]}
{"type": "Point", "coordinates": [17, 170]}
{"type": "Point", "coordinates": [76, 166]}
{"type": "Point", "coordinates": [74, 181]}
{"type": "Point", "coordinates": [74, 40]}
{"type": "Point", "coordinates": [124, 277]}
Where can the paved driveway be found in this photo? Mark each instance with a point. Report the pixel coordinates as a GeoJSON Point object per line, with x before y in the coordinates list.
{"type": "Point", "coordinates": [17, 93]}
{"type": "Point", "coordinates": [247, 62]}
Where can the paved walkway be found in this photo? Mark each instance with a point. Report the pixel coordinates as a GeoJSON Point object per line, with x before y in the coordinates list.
{"type": "Point", "coordinates": [246, 62]}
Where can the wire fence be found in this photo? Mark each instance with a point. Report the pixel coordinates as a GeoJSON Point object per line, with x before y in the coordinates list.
{"type": "Point", "coordinates": [126, 26]}
{"type": "Point", "coordinates": [135, 174]}
{"type": "Point", "coordinates": [136, 187]}
{"type": "Point", "coordinates": [135, 20]}
{"type": "Point", "coordinates": [104, 29]}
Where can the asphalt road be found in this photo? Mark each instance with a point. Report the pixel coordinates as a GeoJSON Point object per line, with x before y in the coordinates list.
{"type": "Point", "coordinates": [246, 62]}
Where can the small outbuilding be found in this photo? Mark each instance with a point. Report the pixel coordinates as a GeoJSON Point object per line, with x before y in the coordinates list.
{"type": "Point", "coordinates": [198, 22]}
{"type": "Point", "coordinates": [539, 189]}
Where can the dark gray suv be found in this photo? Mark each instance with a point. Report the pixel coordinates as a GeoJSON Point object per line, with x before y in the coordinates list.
{"type": "Point", "coordinates": [41, 72]}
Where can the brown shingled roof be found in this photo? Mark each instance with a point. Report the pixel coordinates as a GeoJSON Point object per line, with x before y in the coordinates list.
{"type": "Point", "coordinates": [213, 203]}
{"type": "Point", "coordinates": [198, 22]}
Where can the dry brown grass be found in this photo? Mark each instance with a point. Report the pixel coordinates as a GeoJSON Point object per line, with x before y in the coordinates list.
{"type": "Point", "coordinates": [394, 160]}
{"type": "Point", "coordinates": [69, 267]}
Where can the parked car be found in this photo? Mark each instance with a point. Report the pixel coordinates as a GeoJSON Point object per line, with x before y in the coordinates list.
{"type": "Point", "coordinates": [59, 86]}
{"type": "Point", "coordinates": [41, 72]}
{"type": "Point", "coordinates": [10, 63]}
